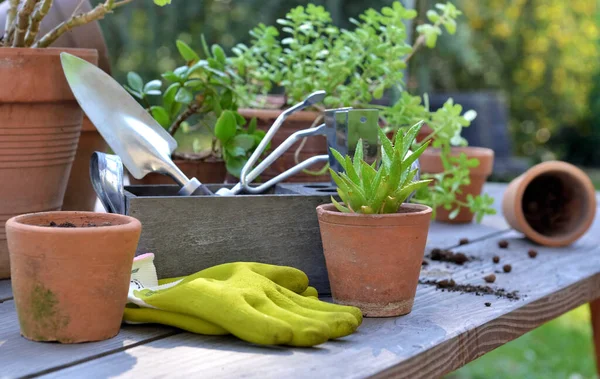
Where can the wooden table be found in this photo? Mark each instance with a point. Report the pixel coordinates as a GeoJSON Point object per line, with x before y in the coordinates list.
{"type": "Point", "coordinates": [445, 330]}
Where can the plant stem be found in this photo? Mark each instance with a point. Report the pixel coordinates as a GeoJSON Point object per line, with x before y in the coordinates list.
{"type": "Point", "coordinates": [191, 109]}
{"type": "Point", "coordinates": [11, 15]}
{"type": "Point", "coordinates": [38, 15]}
{"type": "Point", "coordinates": [22, 22]}
{"type": "Point", "coordinates": [81, 19]}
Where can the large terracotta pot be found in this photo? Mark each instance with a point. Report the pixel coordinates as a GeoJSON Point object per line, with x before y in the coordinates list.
{"type": "Point", "coordinates": [206, 171]}
{"type": "Point", "coordinates": [374, 261]}
{"type": "Point", "coordinates": [431, 163]}
{"type": "Point", "coordinates": [316, 145]}
{"type": "Point", "coordinates": [552, 203]}
{"type": "Point", "coordinates": [70, 284]}
{"type": "Point", "coordinates": [40, 122]}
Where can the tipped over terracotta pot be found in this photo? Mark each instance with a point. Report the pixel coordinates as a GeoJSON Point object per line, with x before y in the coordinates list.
{"type": "Point", "coordinates": [70, 273]}
{"type": "Point", "coordinates": [431, 163]}
{"type": "Point", "coordinates": [374, 261]}
{"type": "Point", "coordinates": [552, 203]}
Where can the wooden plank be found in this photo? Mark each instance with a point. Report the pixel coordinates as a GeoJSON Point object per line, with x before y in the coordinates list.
{"type": "Point", "coordinates": [595, 318]}
{"type": "Point", "coordinates": [5, 290]}
{"type": "Point", "coordinates": [20, 357]}
{"type": "Point", "coordinates": [444, 331]}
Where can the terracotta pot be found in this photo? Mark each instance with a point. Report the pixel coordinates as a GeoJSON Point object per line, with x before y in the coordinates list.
{"type": "Point", "coordinates": [316, 145]}
{"type": "Point", "coordinates": [40, 122]}
{"type": "Point", "coordinates": [206, 171]}
{"type": "Point", "coordinates": [374, 261]}
{"type": "Point", "coordinates": [431, 163]}
{"type": "Point", "coordinates": [70, 284]}
{"type": "Point", "coordinates": [80, 195]}
{"type": "Point", "coordinates": [552, 203]}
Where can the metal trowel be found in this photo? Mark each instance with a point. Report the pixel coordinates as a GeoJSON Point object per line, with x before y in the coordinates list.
{"type": "Point", "coordinates": [142, 144]}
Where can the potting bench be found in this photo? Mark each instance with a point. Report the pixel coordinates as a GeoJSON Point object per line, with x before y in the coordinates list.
{"type": "Point", "coordinates": [445, 330]}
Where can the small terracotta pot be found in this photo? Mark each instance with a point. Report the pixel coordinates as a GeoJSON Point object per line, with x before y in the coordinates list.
{"type": "Point", "coordinates": [552, 203]}
{"type": "Point", "coordinates": [431, 163]}
{"type": "Point", "coordinates": [374, 261]}
{"type": "Point", "coordinates": [206, 171]}
{"type": "Point", "coordinates": [70, 284]}
{"type": "Point", "coordinates": [316, 145]}
{"type": "Point", "coordinates": [40, 123]}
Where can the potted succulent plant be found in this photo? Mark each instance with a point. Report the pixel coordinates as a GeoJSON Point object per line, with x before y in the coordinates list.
{"type": "Point", "coordinates": [70, 273]}
{"type": "Point", "coordinates": [40, 120]}
{"type": "Point", "coordinates": [374, 242]}
{"type": "Point", "coordinates": [200, 96]}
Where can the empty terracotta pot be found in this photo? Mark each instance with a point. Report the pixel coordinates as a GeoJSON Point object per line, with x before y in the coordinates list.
{"type": "Point", "coordinates": [316, 145]}
{"type": "Point", "coordinates": [431, 163]}
{"type": "Point", "coordinates": [374, 261]}
{"type": "Point", "coordinates": [552, 203]}
{"type": "Point", "coordinates": [70, 284]}
{"type": "Point", "coordinates": [40, 123]}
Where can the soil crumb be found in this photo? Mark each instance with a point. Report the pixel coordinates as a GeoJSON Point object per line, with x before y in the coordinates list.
{"type": "Point", "coordinates": [448, 256]}
{"type": "Point", "coordinates": [532, 253]}
{"type": "Point", "coordinates": [463, 241]}
{"type": "Point", "coordinates": [507, 268]}
{"type": "Point", "coordinates": [68, 224]}
{"type": "Point", "coordinates": [496, 259]}
{"type": "Point", "coordinates": [424, 263]}
{"type": "Point", "coordinates": [503, 244]}
{"type": "Point", "coordinates": [491, 278]}
{"type": "Point", "coordinates": [488, 304]}
{"type": "Point", "coordinates": [451, 286]}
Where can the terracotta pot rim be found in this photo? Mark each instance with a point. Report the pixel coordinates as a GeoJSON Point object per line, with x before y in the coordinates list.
{"type": "Point", "coordinates": [264, 113]}
{"type": "Point", "coordinates": [21, 51]}
{"type": "Point", "coordinates": [483, 154]}
{"type": "Point", "coordinates": [328, 213]}
{"type": "Point", "coordinates": [122, 222]}
{"type": "Point", "coordinates": [563, 168]}
{"type": "Point", "coordinates": [472, 151]}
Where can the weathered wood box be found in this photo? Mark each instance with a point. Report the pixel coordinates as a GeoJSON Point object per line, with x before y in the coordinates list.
{"type": "Point", "coordinates": [188, 234]}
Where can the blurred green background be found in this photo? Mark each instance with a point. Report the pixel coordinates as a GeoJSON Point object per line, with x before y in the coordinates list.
{"type": "Point", "coordinates": [542, 55]}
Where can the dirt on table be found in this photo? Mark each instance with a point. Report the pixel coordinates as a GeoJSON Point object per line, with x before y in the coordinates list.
{"type": "Point", "coordinates": [449, 256]}
{"type": "Point", "coordinates": [68, 224]}
{"type": "Point", "coordinates": [532, 253]}
{"type": "Point", "coordinates": [496, 259]}
{"type": "Point", "coordinates": [491, 278]}
{"type": "Point", "coordinates": [507, 268]}
{"type": "Point", "coordinates": [451, 286]}
{"type": "Point", "coordinates": [503, 244]}
{"type": "Point", "coordinates": [463, 241]}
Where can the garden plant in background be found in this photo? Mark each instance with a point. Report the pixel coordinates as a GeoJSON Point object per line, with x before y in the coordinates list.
{"type": "Point", "coordinates": [357, 67]}
{"type": "Point", "coordinates": [374, 209]}
{"type": "Point", "coordinates": [201, 94]}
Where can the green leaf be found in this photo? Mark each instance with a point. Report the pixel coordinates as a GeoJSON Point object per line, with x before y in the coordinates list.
{"type": "Point", "coordinates": [234, 165]}
{"type": "Point", "coordinates": [170, 76]}
{"type": "Point", "coordinates": [387, 150]}
{"type": "Point", "coordinates": [162, 3]}
{"type": "Point", "coordinates": [225, 127]}
{"type": "Point", "coordinates": [161, 115]}
{"type": "Point", "coordinates": [194, 84]}
{"type": "Point", "coordinates": [245, 141]}
{"type": "Point", "coordinates": [227, 100]}
{"type": "Point", "coordinates": [182, 72]}
{"type": "Point", "coordinates": [184, 96]}
{"type": "Point", "coordinates": [186, 52]}
{"type": "Point", "coordinates": [358, 155]}
{"type": "Point", "coordinates": [339, 206]}
{"type": "Point", "coordinates": [252, 125]}
{"type": "Point", "coordinates": [169, 98]}
{"type": "Point", "coordinates": [351, 172]}
{"type": "Point", "coordinates": [338, 157]}
{"type": "Point", "coordinates": [409, 138]}
{"type": "Point", "coordinates": [234, 151]}
{"type": "Point", "coordinates": [204, 46]}
{"type": "Point", "coordinates": [219, 54]}
{"type": "Point", "coordinates": [454, 213]}
{"type": "Point", "coordinates": [135, 81]}
{"type": "Point", "coordinates": [433, 16]}
{"type": "Point", "coordinates": [153, 87]}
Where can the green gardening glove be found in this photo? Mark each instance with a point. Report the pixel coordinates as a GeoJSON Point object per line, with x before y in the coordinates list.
{"type": "Point", "coordinates": [256, 302]}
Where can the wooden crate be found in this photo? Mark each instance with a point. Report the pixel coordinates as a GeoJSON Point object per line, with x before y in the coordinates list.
{"type": "Point", "coordinates": [188, 234]}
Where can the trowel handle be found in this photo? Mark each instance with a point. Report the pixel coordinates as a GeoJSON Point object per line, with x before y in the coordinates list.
{"type": "Point", "coordinates": [194, 188]}
{"type": "Point", "coordinates": [247, 177]}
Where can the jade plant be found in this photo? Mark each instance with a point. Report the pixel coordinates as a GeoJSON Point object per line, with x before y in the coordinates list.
{"type": "Point", "coordinates": [24, 17]}
{"type": "Point", "coordinates": [202, 92]}
{"type": "Point", "coordinates": [357, 66]}
{"type": "Point", "coordinates": [368, 189]}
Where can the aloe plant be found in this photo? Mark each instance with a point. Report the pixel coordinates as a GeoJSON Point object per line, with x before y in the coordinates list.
{"type": "Point", "coordinates": [368, 189]}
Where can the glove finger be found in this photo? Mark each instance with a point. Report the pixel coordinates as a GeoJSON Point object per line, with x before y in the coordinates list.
{"type": "Point", "coordinates": [306, 331]}
{"type": "Point", "coordinates": [319, 305]}
{"type": "Point", "coordinates": [310, 292]}
{"type": "Point", "coordinates": [340, 322]}
{"type": "Point", "coordinates": [288, 277]}
{"type": "Point", "coordinates": [178, 320]}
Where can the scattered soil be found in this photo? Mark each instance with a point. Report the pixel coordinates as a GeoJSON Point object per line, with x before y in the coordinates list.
{"type": "Point", "coordinates": [463, 241]}
{"type": "Point", "coordinates": [496, 259]}
{"type": "Point", "coordinates": [503, 244]}
{"type": "Point", "coordinates": [488, 304]}
{"type": "Point", "coordinates": [491, 278]}
{"type": "Point", "coordinates": [68, 224]}
{"type": "Point", "coordinates": [532, 253]}
{"type": "Point", "coordinates": [507, 268]}
{"type": "Point", "coordinates": [547, 204]}
{"type": "Point", "coordinates": [451, 286]}
{"type": "Point", "coordinates": [448, 256]}
{"type": "Point", "coordinates": [424, 263]}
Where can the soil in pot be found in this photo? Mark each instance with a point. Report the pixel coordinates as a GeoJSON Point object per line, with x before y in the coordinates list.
{"type": "Point", "coordinates": [431, 163]}
{"type": "Point", "coordinates": [70, 273]}
{"type": "Point", "coordinates": [39, 132]}
{"type": "Point", "coordinates": [374, 261]}
{"type": "Point", "coordinates": [553, 203]}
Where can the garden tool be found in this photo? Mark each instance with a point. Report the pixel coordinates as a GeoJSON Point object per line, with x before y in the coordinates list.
{"type": "Point", "coordinates": [259, 303]}
{"type": "Point", "coordinates": [106, 174]}
{"type": "Point", "coordinates": [143, 145]}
